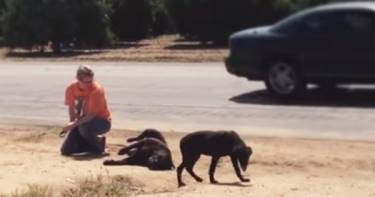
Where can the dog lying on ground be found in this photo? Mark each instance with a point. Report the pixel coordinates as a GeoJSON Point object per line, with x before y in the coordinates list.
{"type": "Point", "coordinates": [146, 151]}
{"type": "Point", "coordinates": [215, 144]}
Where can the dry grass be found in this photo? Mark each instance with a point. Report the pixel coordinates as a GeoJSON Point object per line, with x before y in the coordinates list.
{"type": "Point", "coordinates": [93, 186]}
{"type": "Point", "coordinates": [101, 186]}
{"type": "Point", "coordinates": [167, 48]}
{"type": "Point", "coordinates": [32, 190]}
{"type": "Point", "coordinates": [31, 137]}
{"type": "Point", "coordinates": [37, 135]}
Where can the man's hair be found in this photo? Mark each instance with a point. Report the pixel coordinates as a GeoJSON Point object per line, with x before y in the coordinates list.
{"type": "Point", "coordinates": [84, 70]}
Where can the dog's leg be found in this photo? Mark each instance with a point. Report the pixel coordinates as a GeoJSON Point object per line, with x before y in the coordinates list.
{"type": "Point", "coordinates": [212, 169]}
{"type": "Point", "coordinates": [140, 137]}
{"type": "Point", "coordinates": [134, 160]}
{"type": "Point", "coordinates": [180, 168]}
{"type": "Point", "coordinates": [237, 169]}
{"type": "Point", "coordinates": [132, 139]}
{"type": "Point", "coordinates": [128, 149]}
{"type": "Point", "coordinates": [115, 162]}
{"type": "Point", "coordinates": [190, 165]}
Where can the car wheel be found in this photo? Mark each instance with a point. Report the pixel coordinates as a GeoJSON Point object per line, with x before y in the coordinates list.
{"type": "Point", "coordinates": [283, 80]}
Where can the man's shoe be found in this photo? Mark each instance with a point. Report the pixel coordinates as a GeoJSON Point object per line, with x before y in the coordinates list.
{"type": "Point", "coordinates": [102, 142]}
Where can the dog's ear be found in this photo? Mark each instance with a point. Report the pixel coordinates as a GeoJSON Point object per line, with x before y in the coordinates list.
{"type": "Point", "coordinates": [242, 153]}
{"type": "Point", "coordinates": [238, 150]}
{"type": "Point", "coordinates": [235, 150]}
{"type": "Point", "coordinates": [249, 149]}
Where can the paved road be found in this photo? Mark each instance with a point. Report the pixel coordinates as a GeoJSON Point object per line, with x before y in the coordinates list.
{"type": "Point", "coordinates": [185, 97]}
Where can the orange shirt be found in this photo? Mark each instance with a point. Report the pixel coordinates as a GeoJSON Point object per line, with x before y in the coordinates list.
{"type": "Point", "coordinates": [91, 101]}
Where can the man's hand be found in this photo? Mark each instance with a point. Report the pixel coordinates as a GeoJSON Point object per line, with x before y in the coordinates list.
{"type": "Point", "coordinates": [69, 127]}
{"type": "Point", "coordinates": [62, 133]}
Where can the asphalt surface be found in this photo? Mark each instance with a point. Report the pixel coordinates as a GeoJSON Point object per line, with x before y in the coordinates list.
{"type": "Point", "coordinates": [186, 97]}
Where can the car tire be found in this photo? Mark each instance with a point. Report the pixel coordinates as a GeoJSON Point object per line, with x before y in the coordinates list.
{"type": "Point", "coordinates": [284, 80]}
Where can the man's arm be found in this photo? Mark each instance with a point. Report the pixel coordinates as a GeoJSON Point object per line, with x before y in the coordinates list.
{"type": "Point", "coordinates": [94, 99]}
{"type": "Point", "coordinates": [84, 119]}
{"type": "Point", "coordinates": [72, 114]}
{"type": "Point", "coordinates": [78, 122]}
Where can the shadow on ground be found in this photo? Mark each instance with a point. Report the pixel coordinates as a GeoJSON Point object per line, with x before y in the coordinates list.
{"type": "Point", "coordinates": [339, 97]}
{"type": "Point", "coordinates": [235, 184]}
{"type": "Point", "coordinates": [88, 156]}
{"type": "Point", "coordinates": [50, 54]}
{"type": "Point", "coordinates": [72, 52]}
{"type": "Point", "coordinates": [125, 45]}
{"type": "Point", "coordinates": [193, 46]}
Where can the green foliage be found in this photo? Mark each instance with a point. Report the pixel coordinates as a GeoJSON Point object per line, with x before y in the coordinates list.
{"type": "Point", "coordinates": [92, 22]}
{"type": "Point", "coordinates": [2, 11]}
{"type": "Point", "coordinates": [34, 22]}
{"type": "Point", "coordinates": [214, 20]}
{"type": "Point", "coordinates": [161, 22]}
{"type": "Point", "coordinates": [137, 19]}
{"type": "Point", "coordinates": [29, 23]}
{"type": "Point", "coordinates": [302, 4]}
{"type": "Point", "coordinates": [131, 19]}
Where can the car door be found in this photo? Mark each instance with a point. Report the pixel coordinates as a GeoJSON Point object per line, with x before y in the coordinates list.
{"type": "Point", "coordinates": [324, 44]}
{"type": "Point", "coordinates": [361, 61]}
{"type": "Point", "coordinates": [340, 44]}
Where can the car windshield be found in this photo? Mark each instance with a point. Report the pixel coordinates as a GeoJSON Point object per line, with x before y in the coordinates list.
{"type": "Point", "coordinates": [344, 19]}
{"type": "Point", "coordinates": [289, 22]}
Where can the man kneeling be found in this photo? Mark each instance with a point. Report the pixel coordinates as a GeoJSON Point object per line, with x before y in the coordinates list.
{"type": "Point", "coordinates": [89, 114]}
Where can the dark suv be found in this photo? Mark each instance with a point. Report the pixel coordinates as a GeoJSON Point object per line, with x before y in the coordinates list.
{"type": "Point", "coordinates": [326, 45]}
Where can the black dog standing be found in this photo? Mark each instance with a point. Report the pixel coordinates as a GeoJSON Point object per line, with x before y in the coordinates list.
{"type": "Point", "coordinates": [215, 144]}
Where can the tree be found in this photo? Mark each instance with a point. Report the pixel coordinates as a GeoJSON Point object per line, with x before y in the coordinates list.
{"type": "Point", "coordinates": [92, 22]}
{"type": "Point", "coordinates": [2, 10]}
{"type": "Point", "coordinates": [161, 22]}
{"type": "Point", "coordinates": [26, 23]}
{"type": "Point", "coordinates": [214, 20]}
{"type": "Point", "coordinates": [131, 19]}
{"type": "Point", "coordinates": [29, 23]}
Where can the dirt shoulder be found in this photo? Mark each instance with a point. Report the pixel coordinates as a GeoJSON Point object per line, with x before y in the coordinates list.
{"type": "Point", "coordinates": [279, 166]}
{"type": "Point", "coordinates": [167, 48]}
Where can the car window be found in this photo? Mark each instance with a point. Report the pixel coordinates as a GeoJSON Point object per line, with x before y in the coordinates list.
{"type": "Point", "coordinates": [339, 22]}
{"type": "Point", "coordinates": [326, 23]}
{"type": "Point", "coordinates": [290, 24]}
{"type": "Point", "coordinates": [361, 21]}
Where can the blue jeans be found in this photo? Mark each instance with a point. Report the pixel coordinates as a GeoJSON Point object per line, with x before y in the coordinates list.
{"type": "Point", "coordinates": [84, 138]}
